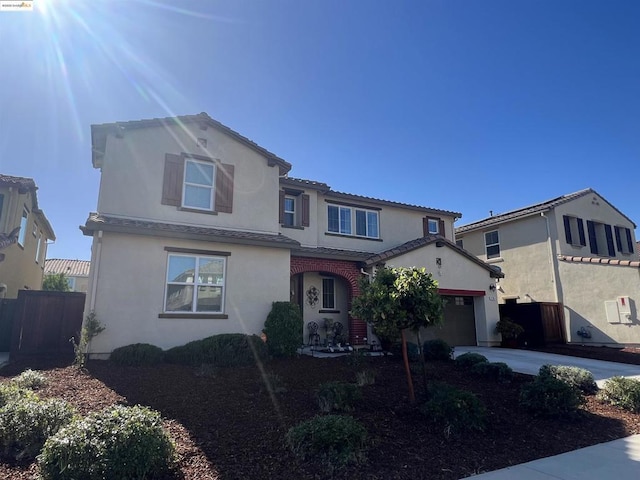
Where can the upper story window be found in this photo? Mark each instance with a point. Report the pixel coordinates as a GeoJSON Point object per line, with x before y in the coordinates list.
{"type": "Point", "coordinates": [289, 211]}
{"type": "Point", "coordinates": [23, 226]}
{"type": "Point", "coordinates": [432, 225]}
{"type": "Point", "coordinates": [574, 231]}
{"type": "Point", "coordinates": [294, 208]}
{"type": "Point", "coordinates": [353, 221]}
{"type": "Point", "coordinates": [39, 240]}
{"type": "Point", "coordinates": [195, 284]}
{"type": "Point", "coordinates": [601, 239]}
{"type": "Point", "coordinates": [624, 240]}
{"type": "Point", "coordinates": [198, 185]}
{"type": "Point", "coordinates": [460, 243]}
{"type": "Point", "coordinates": [492, 244]}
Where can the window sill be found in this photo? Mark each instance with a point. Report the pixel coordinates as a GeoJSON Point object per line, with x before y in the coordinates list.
{"type": "Point", "coordinates": [187, 315]}
{"type": "Point", "coordinates": [495, 260]}
{"type": "Point", "coordinates": [356, 237]}
{"type": "Point", "coordinates": [195, 210]}
{"type": "Point", "coordinates": [294, 227]}
{"type": "Point", "coordinates": [328, 311]}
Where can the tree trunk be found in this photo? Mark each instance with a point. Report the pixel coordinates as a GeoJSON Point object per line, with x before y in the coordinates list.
{"type": "Point", "coordinates": [405, 357]}
{"type": "Point", "coordinates": [424, 365]}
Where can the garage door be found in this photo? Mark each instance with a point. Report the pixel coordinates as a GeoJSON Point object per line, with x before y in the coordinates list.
{"type": "Point", "coordinates": [459, 327]}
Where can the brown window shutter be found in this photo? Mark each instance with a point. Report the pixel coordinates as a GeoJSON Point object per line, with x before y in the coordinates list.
{"type": "Point", "coordinates": [281, 207]}
{"type": "Point", "coordinates": [305, 210]}
{"type": "Point", "coordinates": [441, 227]}
{"type": "Point", "coordinates": [224, 187]}
{"type": "Point", "coordinates": [425, 226]}
{"type": "Point", "coordinates": [173, 179]}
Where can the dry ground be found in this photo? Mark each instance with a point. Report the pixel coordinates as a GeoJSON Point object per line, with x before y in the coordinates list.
{"type": "Point", "coordinates": [228, 425]}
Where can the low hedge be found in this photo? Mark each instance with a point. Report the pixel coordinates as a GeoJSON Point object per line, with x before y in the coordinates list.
{"type": "Point", "coordinates": [137, 354]}
{"type": "Point", "coordinates": [469, 359]}
{"type": "Point", "coordinates": [225, 350]}
{"type": "Point", "coordinates": [454, 409]}
{"type": "Point", "coordinates": [549, 397]}
{"type": "Point", "coordinates": [437, 349]}
{"type": "Point", "coordinates": [574, 376]}
{"type": "Point", "coordinates": [621, 392]}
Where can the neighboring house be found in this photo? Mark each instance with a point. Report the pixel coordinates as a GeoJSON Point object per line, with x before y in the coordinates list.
{"type": "Point", "coordinates": [24, 232]}
{"type": "Point", "coordinates": [75, 271]}
{"type": "Point", "coordinates": [199, 230]}
{"type": "Point", "coordinates": [577, 249]}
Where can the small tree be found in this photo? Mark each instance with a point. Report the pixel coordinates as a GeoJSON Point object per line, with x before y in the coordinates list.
{"type": "Point", "coordinates": [56, 282]}
{"type": "Point", "coordinates": [399, 299]}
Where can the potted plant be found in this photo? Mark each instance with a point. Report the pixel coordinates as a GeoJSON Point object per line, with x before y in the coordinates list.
{"type": "Point", "coordinates": [510, 331]}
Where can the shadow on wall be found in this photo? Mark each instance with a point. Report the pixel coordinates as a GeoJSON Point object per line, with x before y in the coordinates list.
{"type": "Point", "coordinates": [585, 332]}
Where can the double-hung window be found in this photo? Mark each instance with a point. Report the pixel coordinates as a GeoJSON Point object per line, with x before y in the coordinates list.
{"type": "Point", "coordinates": [624, 240]}
{"type": "Point", "coordinates": [574, 231]}
{"type": "Point", "coordinates": [492, 244]}
{"type": "Point", "coordinates": [347, 220]}
{"type": "Point", "coordinates": [195, 284]}
{"type": "Point", "coordinates": [601, 239]}
{"type": "Point", "coordinates": [23, 226]}
{"type": "Point", "coordinates": [289, 211]}
{"type": "Point", "coordinates": [433, 227]}
{"type": "Point", "coordinates": [199, 182]}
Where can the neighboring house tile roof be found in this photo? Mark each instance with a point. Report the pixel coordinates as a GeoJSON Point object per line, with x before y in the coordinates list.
{"type": "Point", "coordinates": [71, 268]}
{"type": "Point", "coordinates": [604, 261]}
{"type": "Point", "coordinates": [532, 209]}
{"type": "Point", "coordinates": [100, 131]}
{"type": "Point", "coordinates": [25, 185]}
{"type": "Point", "coordinates": [330, 253]}
{"type": "Point", "coordinates": [97, 222]}
{"type": "Point", "coordinates": [326, 190]}
{"type": "Point", "coordinates": [421, 242]}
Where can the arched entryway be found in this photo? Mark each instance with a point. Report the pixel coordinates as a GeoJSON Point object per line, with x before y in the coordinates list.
{"type": "Point", "coordinates": [325, 289]}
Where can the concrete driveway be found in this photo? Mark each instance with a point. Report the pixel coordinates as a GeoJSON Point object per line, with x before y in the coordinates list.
{"type": "Point", "coordinates": [527, 361]}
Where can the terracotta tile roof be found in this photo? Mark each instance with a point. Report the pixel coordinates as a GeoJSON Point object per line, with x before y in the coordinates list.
{"type": "Point", "coordinates": [603, 261]}
{"type": "Point", "coordinates": [98, 134]}
{"type": "Point", "coordinates": [333, 253]}
{"type": "Point", "coordinates": [97, 222]}
{"type": "Point", "coordinates": [538, 207]}
{"type": "Point", "coordinates": [299, 182]}
{"type": "Point", "coordinates": [24, 185]}
{"type": "Point", "coordinates": [71, 268]}
{"type": "Point", "coordinates": [421, 242]}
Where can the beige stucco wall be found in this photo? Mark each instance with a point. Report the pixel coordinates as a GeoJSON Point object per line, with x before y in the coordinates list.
{"type": "Point", "coordinates": [459, 273]}
{"type": "Point", "coordinates": [81, 284]}
{"type": "Point", "coordinates": [396, 226]}
{"type": "Point", "coordinates": [591, 207]}
{"type": "Point", "coordinates": [312, 313]}
{"type": "Point", "coordinates": [20, 268]}
{"type": "Point", "coordinates": [133, 169]}
{"type": "Point", "coordinates": [255, 277]}
{"type": "Point", "coordinates": [586, 287]}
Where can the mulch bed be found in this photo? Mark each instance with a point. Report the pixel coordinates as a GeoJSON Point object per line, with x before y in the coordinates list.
{"type": "Point", "coordinates": [228, 424]}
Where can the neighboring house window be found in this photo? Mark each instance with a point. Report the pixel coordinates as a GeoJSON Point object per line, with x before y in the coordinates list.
{"type": "Point", "coordinates": [624, 241]}
{"type": "Point", "coordinates": [460, 243]}
{"type": "Point", "coordinates": [328, 293]}
{"type": "Point", "coordinates": [340, 220]}
{"type": "Point", "coordinates": [198, 185]}
{"type": "Point", "coordinates": [195, 284]}
{"type": "Point", "coordinates": [289, 211]}
{"type": "Point", "coordinates": [492, 243]}
{"type": "Point", "coordinates": [38, 246]}
{"type": "Point", "coordinates": [23, 226]}
{"type": "Point", "coordinates": [601, 239]}
{"type": "Point", "coordinates": [71, 281]}
{"type": "Point", "coordinates": [574, 231]}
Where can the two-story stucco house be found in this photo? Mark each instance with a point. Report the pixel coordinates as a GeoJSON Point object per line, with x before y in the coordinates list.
{"type": "Point", "coordinates": [577, 249]}
{"type": "Point", "coordinates": [24, 232]}
{"type": "Point", "coordinates": [199, 230]}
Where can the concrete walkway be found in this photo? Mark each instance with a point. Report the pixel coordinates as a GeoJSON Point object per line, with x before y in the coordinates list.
{"type": "Point", "coordinates": [529, 362]}
{"type": "Point", "coordinates": [619, 459]}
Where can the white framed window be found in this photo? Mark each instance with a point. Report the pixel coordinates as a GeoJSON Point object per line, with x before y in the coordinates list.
{"type": "Point", "coordinates": [624, 240]}
{"type": "Point", "coordinates": [38, 246]}
{"type": "Point", "coordinates": [34, 232]}
{"type": "Point", "coordinates": [195, 284]}
{"type": "Point", "coordinates": [23, 226]}
{"type": "Point", "coordinates": [347, 220]}
{"type": "Point", "coordinates": [199, 185]}
{"type": "Point", "coordinates": [289, 211]}
{"type": "Point", "coordinates": [71, 281]}
{"type": "Point", "coordinates": [492, 244]}
{"type": "Point", "coordinates": [432, 225]}
{"type": "Point", "coordinates": [328, 293]}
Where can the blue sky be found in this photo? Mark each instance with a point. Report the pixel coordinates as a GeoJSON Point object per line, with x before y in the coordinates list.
{"type": "Point", "coordinates": [468, 106]}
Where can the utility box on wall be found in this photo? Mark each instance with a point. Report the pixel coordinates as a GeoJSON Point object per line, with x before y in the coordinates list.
{"type": "Point", "coordinates": [619, 310]}
{"type": "Point", "coordinates": [624, 309]}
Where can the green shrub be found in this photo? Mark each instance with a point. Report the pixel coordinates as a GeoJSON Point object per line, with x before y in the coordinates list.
{"type": "Point", "coordinates": [337, 396]}
{"type": "Point", "coordinates": [117, 442]}
{"type": "Point", "coordinates": [136, 355]}
{"type": "Point", "coordinates": [454, 409]}
{"type": "Point", "coordinates": [621, 392]}
{"type": "Point", "coordinates": [10, 392]}
{"type": "Point", "coordinates": [365, 377]}
{"type": "Point", "coordinates": [437, 350]}
{"type": "Point", "coordinates": [336, 440]}
{"type": "Point", "coordinates": [412, 351]}
{"type": "Point", "coordinates": [574, 376]}
{"type": "Point", "coordinates": [550, 397]}
{"type": "Point", "coordinates": [498, 371]}
{"type": "Point", "coordinates": [283, 329]}
{"type": "Point", "coordinates": [30, 379]}
{"type": "Point", "coordinates": [26, 423]}
{"type": "Point", "coordinates": [469, 359]}
{"type": "Point", "coordinates": [226, 350]}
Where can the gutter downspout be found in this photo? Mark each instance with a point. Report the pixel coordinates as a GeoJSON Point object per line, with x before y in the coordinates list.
{"type": "Point", "coordinates": [554, 274]}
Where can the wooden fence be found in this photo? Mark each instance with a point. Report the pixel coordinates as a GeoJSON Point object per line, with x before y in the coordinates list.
{"type": "Point", "coordinates": [543, 322]}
